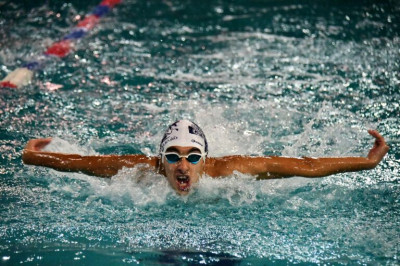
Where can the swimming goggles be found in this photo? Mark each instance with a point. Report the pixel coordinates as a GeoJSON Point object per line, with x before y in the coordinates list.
{"type": "Point", "coordinates": [173, 157]}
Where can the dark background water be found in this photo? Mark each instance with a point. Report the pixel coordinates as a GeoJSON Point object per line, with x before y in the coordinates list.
{"type": "Point", "coordinates": [293, 78]}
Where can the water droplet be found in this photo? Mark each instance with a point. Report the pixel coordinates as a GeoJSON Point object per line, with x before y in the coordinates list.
{"type": "Point", "coordinates": [97, 103]}
{"type": "Point", "coordinates": [30, 103]}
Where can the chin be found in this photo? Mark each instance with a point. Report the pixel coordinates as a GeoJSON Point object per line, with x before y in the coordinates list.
{"type": "Point", "coordinates": [183, 190]}
{"type": "Point", "coordinates": [182, 193]}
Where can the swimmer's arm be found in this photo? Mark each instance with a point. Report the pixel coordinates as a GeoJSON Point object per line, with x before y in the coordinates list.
{"type": "Point", "coordinates": [102, 166]}
{"type": "Point", "coordinates": [275, 167]}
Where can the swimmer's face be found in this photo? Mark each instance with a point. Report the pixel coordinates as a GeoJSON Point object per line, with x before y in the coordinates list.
{"type": "Point", "coordinates": [183, 174]}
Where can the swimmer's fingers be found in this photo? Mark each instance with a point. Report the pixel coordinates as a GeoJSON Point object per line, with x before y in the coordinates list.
{"type": "Point", "coordinates": [379, 140]}
{"type": "Point", "coordinates": [380, 147]}
{"type": "Point", "coordinates": [37, 144]}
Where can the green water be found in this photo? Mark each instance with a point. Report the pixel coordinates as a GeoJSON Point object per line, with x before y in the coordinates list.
{"type": "Point", "coordinates": [291, 78]}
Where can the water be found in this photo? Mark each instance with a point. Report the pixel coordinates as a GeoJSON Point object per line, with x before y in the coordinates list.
{"type": "Point", "coordinates": [285, 78]}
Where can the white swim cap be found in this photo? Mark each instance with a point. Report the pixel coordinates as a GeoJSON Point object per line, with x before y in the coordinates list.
{"type": "Point", "coordinates": [186, 134]}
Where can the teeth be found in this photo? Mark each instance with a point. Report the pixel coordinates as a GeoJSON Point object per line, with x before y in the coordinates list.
{"type": "Point", "coordinates": [182, 178]}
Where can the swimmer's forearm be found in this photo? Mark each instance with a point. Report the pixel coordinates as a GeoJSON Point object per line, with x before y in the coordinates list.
{"type": "Point", "coordinates": [319, 167]}
{"type": "Point", "coordinates": [102, 166]}
{"type": "Point", "coordinates": [69, 163]}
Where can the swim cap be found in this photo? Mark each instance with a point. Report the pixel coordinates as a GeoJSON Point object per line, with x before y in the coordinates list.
{"type": "Point", "coordinates": [186, 134]}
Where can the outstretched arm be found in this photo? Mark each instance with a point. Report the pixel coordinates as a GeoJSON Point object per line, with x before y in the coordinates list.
{"type": "Point", "coordinates": [102, 166]}
{"type": "Point", "coordinates": [273, 167]}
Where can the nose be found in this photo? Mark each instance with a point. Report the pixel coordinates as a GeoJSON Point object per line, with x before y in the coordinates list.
{"type": "Point", "coordinates": [183, 165]}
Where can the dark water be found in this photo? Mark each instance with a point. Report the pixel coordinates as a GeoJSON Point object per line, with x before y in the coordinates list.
{"type": "Point", "coordinates": [292, 78]}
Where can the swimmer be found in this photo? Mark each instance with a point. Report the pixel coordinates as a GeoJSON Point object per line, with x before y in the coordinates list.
{"type": "Point", "coordinates": [183, 160]}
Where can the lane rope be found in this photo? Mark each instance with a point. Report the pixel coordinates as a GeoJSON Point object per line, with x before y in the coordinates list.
{"type": "Point", "coordinates": [24, 74]}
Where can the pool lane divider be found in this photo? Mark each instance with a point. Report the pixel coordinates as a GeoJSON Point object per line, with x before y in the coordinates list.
{"type": "Point", "coordinates": [23, 75]}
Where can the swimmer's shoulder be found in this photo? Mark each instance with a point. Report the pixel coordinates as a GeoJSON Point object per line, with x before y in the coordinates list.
{"type": "Point", "coordinates": [253, 165]}
{"type": "Point", "coordinates": [222, 166]}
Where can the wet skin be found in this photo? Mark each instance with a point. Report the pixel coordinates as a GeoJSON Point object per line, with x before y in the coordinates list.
{"type": "Point", "coordinates": [182, 174]}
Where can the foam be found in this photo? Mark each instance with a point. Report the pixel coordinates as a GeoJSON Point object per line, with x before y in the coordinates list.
{"type": "Point", "coordinates": [59, 145]}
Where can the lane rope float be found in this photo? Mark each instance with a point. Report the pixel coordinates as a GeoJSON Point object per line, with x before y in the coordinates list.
{"type": "Point", "coordinates": [24, 74]}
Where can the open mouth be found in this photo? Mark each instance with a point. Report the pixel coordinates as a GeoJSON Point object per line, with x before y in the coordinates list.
{"type": "Point", "coordinates": [183, 182]}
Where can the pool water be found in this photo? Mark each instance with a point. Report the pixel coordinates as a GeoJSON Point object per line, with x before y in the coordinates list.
{"type": "Point", "coordinates": [290, 78]}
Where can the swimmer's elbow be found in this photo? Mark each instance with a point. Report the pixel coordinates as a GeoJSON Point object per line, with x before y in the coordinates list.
{"type": "Point", "coordinates": [269, 175]}
{"type": "Point", "coordinates": [311, 168]}
{"type": "Point", "coordinates": [103, 173]}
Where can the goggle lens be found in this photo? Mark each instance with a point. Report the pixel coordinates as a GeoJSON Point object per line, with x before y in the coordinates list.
{"type": "Point", "coordinates": [194, 158]}
{"type": "Point", "coordinates": [172, 158]}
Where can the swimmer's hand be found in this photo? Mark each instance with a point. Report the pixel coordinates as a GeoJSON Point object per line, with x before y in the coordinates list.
{"type": "Point", "coordinates": [33, 150]}
{"type": "Point", "coordinates": [37, 144]}
{"type": "Point", "coordinates": [379, 149]}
